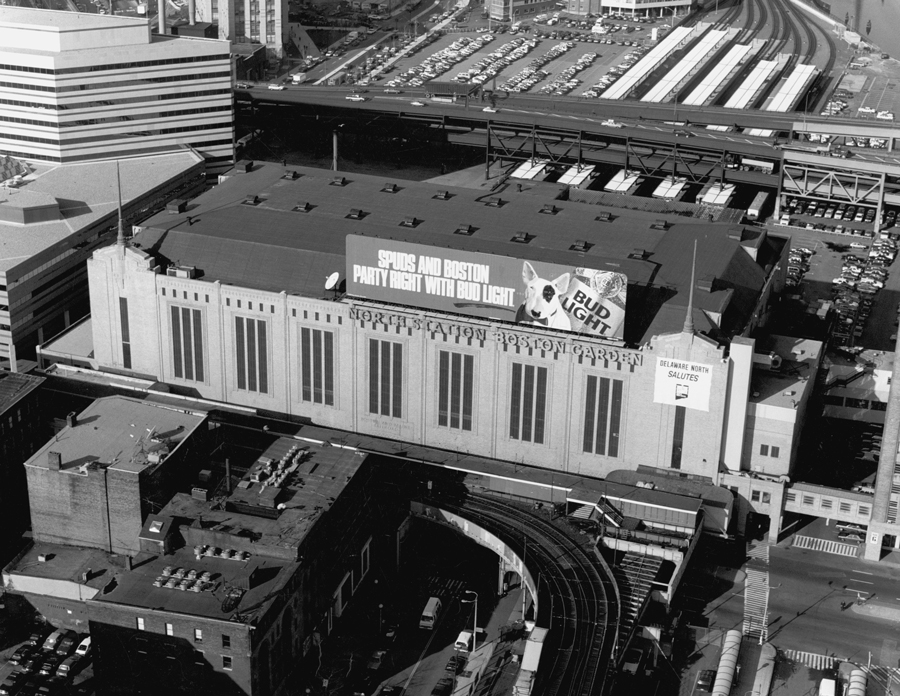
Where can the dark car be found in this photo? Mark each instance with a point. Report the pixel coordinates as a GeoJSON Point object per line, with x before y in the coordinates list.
{"type": "Point", "coordinates": [68, 643]}
{"type": "Point", "coordinates": [50, 665]}
{"type": "Point", "coordinates": [22, 654]}
{"type": "Point", "coordinates": [12, 684]}
{"type": "Point", "coordinates": [705, 680]}
{"type": "Point", "coordinates": [31, 665]}
{"type": "Point", "coordinates": [443, 688]}
{"type": "Point", "coordinates": [456, 663]}
{"type": "Point", "coordinates": [35, 639]}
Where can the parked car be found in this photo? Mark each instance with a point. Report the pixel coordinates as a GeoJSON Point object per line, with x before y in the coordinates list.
{"type": "Point", "coordinates": [706, 679]}
{"type": "Point", "coordinates": [632, 662]}
{"type": "Point", "coordinates": [22, 654]}
{"type": "Point", "coordinates": [84, 648]}
{"type": "Point", "coordinates": [68, 643]}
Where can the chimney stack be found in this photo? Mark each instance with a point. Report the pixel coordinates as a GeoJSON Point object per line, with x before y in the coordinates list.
{"type": "Point", "coordinates": [72, 419]}
{"type": "Point", "coordinates": [54, 461]}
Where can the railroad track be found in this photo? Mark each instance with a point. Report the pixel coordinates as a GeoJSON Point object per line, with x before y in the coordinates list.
{"type": "Point", "coordinates": [576, 596]}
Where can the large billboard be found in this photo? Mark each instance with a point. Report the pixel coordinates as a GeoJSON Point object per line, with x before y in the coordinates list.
{"type": "Point", "coordinates": [584, 300]}
{"type": "Point", "coordinates": [682, 383]}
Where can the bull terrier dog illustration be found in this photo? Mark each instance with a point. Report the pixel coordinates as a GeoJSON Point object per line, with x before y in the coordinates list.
{"type": "Point", "coordinates": [542, 306]}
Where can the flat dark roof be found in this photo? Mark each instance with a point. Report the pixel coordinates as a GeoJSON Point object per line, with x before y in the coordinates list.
{"type": "Point", "coordinates": [269, 244]}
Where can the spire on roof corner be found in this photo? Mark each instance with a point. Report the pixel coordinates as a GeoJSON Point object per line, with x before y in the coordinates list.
{"type": "Point", "coordinates": [689, 318]}
{"type": "Point", "coordinates": [120, 236]}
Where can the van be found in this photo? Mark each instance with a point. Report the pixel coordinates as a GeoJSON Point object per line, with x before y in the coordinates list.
{"type": "Point", "coordinates": [52, 640]}
{"type": "Point", "coordinates": [464, 641]}
{"type": "Point", "coordinates": [430, 613]}
{"type": "Point", "coordinates": [827, 687]}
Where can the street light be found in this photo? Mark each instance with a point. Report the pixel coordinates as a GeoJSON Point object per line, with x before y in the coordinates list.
{"type": "Point", "coordinates": [474, 618]}
{"type": "Point", "coordinates": [380, 606]}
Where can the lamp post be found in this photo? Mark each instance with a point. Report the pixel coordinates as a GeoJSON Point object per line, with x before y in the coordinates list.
{"type": "Point", "coordinates": [474, 618]}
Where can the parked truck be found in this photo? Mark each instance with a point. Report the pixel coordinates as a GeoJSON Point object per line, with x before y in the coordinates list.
{"type": "Point", "coordinates": [755, 211]}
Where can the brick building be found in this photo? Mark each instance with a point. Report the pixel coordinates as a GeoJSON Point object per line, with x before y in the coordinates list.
{"type": "Point", "coordinates": [94, 484]}
{"type": "Point", "coordinates": [21, 433]}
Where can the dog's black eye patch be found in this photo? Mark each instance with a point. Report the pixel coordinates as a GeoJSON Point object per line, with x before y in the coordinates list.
{"type": "Point", "coordinates": [549, 292]}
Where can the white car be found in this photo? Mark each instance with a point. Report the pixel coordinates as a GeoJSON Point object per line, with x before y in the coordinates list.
{"type": "Point", "coordinates": [866, 110]}
{"type": "Point", "coordinates": [857, 245]}
{"type": "Point", "coordinates": [355, 98]}
{"type": "Point", "coordinates": [277, 88]}
{"type": "Point", "coordinates": [417, 103]}
{"type": "Point", "coordinates": [489, 110]}
{"type": "Point", "coordinates": [609, 123]}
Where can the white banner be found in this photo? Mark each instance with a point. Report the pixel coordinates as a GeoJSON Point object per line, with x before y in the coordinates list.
{"type": "Point", "coordinates": [681, 383]}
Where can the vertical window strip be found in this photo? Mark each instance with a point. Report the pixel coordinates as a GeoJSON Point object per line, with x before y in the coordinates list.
{"type": "Point", "coordinates": [515, 398]}
{"type": "Point", "coordinates": [251, 354]}
{"type": "Point", "coordinates": [317, 366]}
{"type": "Point", "coordinates": [455, 388]}
{"type": "Point", "coordinates": [305, 365]}
{"type": "Point", "coordinates": [590, 413]}
{"type": "Point", "coordinates": [468, 384]}
{"type": "Point", "coordinates": [186, 343]}
{"type": "Point", "coordinates": [443, 387]}
{"type": "Point", "coordinates": [527, 402]}
{"type": "Point", "coordinates": [176, 341]}
{"type": "Point", "coordinates": [678, 437]}
{"type": "Point", "coordinates": [602, 415]}
{"type": "Point", "coordinates": [385, 378]}
{"type": "Point", "coordinates": [397, 377]}
{"type": "Point", "coordinates": [198, 346]}
{"type": "Point", "coordinates": [540, 404]}
{"type": "Point", "coordinates": [262, 356]}
{"type": "Point", "coordinates": [328, 350]}
{"type": "Point", "coordinates": [615, 415]}
{"type": "Point", "coordinates": [126, 333]}
{"type": "Point", "coordinates": [373, 375]}
{"type": "Point", "coordinates": [239, 342]}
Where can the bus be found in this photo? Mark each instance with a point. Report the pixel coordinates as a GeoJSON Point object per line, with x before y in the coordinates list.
{"type": "Point", "coordinates": [430, 613]}
{"type": "Point", "coordinates": [754, 212]}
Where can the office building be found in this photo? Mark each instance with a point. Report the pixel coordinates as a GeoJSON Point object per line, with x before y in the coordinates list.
{"type": "Point", "coordinates": [249, 21]}
{"type": "Point", "coordinates": [77, 87]}
{"type": "Point", "coordinates": [53, 219]}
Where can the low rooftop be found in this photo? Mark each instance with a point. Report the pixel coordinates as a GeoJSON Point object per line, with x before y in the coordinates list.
{"type": "Point", "coordinates": [788, 385]}
{"type": "Point", "coordinates": [118, 432]}
{"type": "Point", "coordinates": [277, 516]}
{"type": "Point", "coordinates": [287, 233]}
{"type": "Point", "coordinates": [14, 386]}
{"type": "Point", "coordinates": [44, 561]}
{"type": "Point", "coordinates": [86, 194]}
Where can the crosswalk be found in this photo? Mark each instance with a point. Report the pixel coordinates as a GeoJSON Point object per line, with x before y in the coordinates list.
{"type": "Point", "coordinates": [811, 660]}
{"type": "Point", "coordinates": [756, 604]}
{"type": "Point", "coordinates": [758, 550]}
{"type": "Point", "coordinates": [826, 545]}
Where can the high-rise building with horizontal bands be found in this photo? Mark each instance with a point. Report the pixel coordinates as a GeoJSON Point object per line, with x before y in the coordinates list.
{"type": "Point", "coordinates": [76, 87]}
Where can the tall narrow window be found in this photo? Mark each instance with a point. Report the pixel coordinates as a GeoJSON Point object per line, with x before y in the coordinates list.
{"type": "Point", "coordinates": [678, 437]}
{"type": "Point", "coordinates": [126, 333]}
{"type": "Point", "coordinates": [317, 366]}
{"type": "Point", "coordinates": [385, 378]}
{"type": "Point", "coordinates": [187, 343]}
{"type": "Point", "coordinates": [251, 355]}
{"type": "Point", "coordinates": [527, 403]}
{"type": "Point", "coordinates": [455, 389]}
{"type": "Point", "coordinates": [602, 416]}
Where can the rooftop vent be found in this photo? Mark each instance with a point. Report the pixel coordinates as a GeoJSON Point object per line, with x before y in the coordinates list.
{"type": "Point", "coordinates": [179, 205]}
{"type": "Point", "coordinates": [494, 202]}
{"type": "Point", "coordinates": [639, 254]}
{"type": "Point", "coordinates": [356, 214]}
{"type": "Point", "coordinates": [251, 200]}
{"type": "Point", "coordinates": [303, 207]}
{"type": "Point", "coordinates": [182, 271]}
{"type": "Point", "coordinates": [467, 230]}
{"type": "Point", "coordinates": [54, 461]}
{"type": "Point", "coordinates": [390, 188]}
{"type": "Point", "coordinates": [581, 245]}
{"type": "Point", "coordinates": [659, 225]}
{"type": "Point", "coordinates": [339, 181]}
{"type": "Point", "coordinates": [706, 283]}
{"type": "Point", "coordinates": [290, 174]}
{"type": "Point", "coordinates": [244, 166]}
{"type": "Point", "coordinates": [443, 196]}
{"type": "Point", "coordinates": [736, 233]}
{"type": "Point", "coordinates": [522, 238]}
{"type": "Point", "coordinates": [605, 216]}
{"type": "Point", "coordinates": [409, 221]}
{"type": "Point", "coordinates": [549, 209]}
